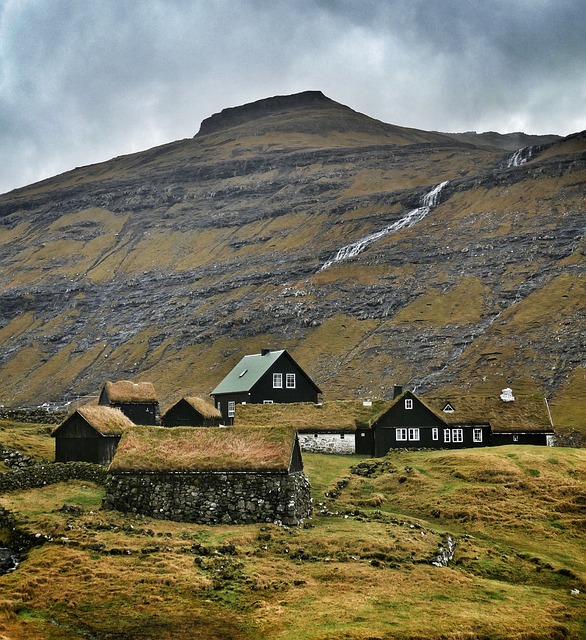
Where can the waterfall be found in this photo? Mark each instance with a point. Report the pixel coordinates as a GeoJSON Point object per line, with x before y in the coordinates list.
{"type": "Point", "coordinates": [428, 202]}
{"type": "Point", "coordinates": [520, 157]}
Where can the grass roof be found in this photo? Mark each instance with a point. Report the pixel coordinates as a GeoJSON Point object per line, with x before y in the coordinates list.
{"type": "Point", "coordinates": [525, 413]}
{"type": "Point", "coordinates": [105, 420]}
{"type": "Point", "coordinates": [188, 449]}
{"type": "Point", "coordinates": [206, 409]}
{"type": "Point", "coordinates": [308, 417]}
{"type": "Point", "coordinates": [126, 391]}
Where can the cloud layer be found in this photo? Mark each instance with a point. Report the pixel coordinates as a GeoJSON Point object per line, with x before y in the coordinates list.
{"type": "Point", "coordinates": [82, 82]}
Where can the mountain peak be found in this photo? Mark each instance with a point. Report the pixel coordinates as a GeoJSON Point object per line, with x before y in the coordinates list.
{"type": "Point", "coordinates": [234, 116]}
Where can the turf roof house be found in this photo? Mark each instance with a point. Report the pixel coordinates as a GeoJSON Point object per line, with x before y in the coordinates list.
{"type": "Point", "coordinates": [264, 378]}
{"type": "Point", "coordinates": [192, 412]}
{"type": "Point", "coordinates": [208, 476]}
{"type": "Point", "coordinates": [456, 423]}
{"type": "Point", "coordinates": [137, 400]}
{"type": "Point", "coordinates": [90, 434]}
{"type": "Point", "coordinates": [327, 427]}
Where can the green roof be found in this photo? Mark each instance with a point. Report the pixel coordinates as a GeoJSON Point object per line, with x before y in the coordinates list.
{"type": "Point", "coordinates": [247, 372]}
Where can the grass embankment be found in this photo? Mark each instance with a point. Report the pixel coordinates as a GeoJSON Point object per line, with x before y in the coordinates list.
{"type": "Point", "coordinates": [359, 569]}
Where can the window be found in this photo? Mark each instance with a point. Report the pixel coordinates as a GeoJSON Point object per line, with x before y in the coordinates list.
{"type": "Point", "coordinates": [457, 435]}
{"type": "Point", "coordinates": [267, 402]}
{"type": "Point", "coordinates": [231, 409]}
{"type": "Point", "coordinates": [515, 438]}
{"type": "Point", "coordinates": [219, 407]}
{"type": "Point", "coordinates": [435, 433]}
{"type": "Point", "coordinates": [414, 434]}
{"type": "Point", "coordinates": [341, 436]}
{"type": "Point", "coordinates": [477, 435]}
{"type": "Point", "coordinates": [408, 403]}
{"type": "Point", "coordinates": [448, 408]}
{"type": "Point", "coordinates": [447, 435]}
{"type": "Point", "coordinates": [277, 380]}
{"type": "Point", "coordinates": [290, 381]}
{"type": "Point", "coordinates": [401, 434]}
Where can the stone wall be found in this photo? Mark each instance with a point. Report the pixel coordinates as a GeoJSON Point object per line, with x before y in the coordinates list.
{"type": "Point", "coordinates": [212, 497]}
{"type": "Point", "coordinates": [40, 475]}
{"type": "Point", "coordinates": [328, 443]}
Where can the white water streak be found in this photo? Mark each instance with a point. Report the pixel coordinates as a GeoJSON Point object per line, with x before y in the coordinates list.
{"type": "Point", "coordinates": [520, 157]}
{"type": "Point", "coordinates": [428, 202]}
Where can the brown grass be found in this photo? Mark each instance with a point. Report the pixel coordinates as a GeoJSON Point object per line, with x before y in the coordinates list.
{"type": "Point", "coordinates": [193, 449]}
{"type": "Point", "coordinates": [341, 415]}
{"type": "Point", "coordinates": [128, 391]}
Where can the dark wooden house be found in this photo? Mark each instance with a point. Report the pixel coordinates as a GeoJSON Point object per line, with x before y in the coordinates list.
{"type": "Point", "coordinates": [137, 400]}
{"type": "Point", "coordinates": [192, 412]}
{"type": "Point", "coordinates": [264, 378]}
{"type": "Point", "coordinates": [455, 422]}
{"type": "Point", "coordinates": [90, 434]}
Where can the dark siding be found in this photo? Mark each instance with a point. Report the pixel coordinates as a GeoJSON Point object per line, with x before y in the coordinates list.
{"type": "Point", "coordinates": [224, 399]}
{"type": "Point", "coordinates": [304, 390]}
{"type": "Point", "coordinates": [364, 442]}
{"type": "Point", "coordinates": [296, 459]}
{"type": "Point", "coordinates": [386, 438]}
{"type": "Point", "coordinates": [143, 414]}
{"type": "Point", "coordinates": [99, 450]}
{"type": "Point", "coordinates": [77, 441]}
{"type": "Point", "coordinates": [540, 439]}
{"type": "Point", "coordinates": [184, 415]}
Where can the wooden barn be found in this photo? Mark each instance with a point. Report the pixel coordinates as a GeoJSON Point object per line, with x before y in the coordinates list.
{"type": "Point", "coordinates": [208, 476]}
{"type": "Point", "coordinates": [192, 412]}
{"type": "Point", "coordinates": [264, 378]}
{"type": "Point", "coordinates": [137, 400]}
{"type": "Point", "coordinates": [456, 422]}
{"type": "Point", "coordinates": [90, 434]}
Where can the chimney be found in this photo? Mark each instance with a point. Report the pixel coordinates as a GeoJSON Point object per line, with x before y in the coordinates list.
{"type": "Point", "coordinates": [397, 391]}
{"type": "Point", "coordinates": [263, 352]}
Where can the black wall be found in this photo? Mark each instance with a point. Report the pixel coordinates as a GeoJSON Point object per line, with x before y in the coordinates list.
{"type": "Point", "coordinates": [184, 415]}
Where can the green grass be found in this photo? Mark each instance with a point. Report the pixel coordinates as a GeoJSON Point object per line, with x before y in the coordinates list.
{"type": "Point", "coordinates": [359, 573]}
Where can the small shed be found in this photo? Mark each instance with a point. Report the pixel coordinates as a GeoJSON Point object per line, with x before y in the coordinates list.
{"type": "Point", "coordinates": [230, 476]}
{"type": "Point", "coordinates": [137, 400]}
{"type": "Point", "coordinates": [90, 434]}
{"type": "Point", "coordinates": [192, 412]}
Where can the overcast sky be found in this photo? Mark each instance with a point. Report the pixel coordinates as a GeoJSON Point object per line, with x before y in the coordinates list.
{"type": "Point", "coordinates": [82, 81]}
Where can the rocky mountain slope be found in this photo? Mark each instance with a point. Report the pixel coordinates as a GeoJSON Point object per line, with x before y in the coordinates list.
{"type": "Point", "coordinates": [375, 253]}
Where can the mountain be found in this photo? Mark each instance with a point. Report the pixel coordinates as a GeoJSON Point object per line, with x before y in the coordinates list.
{"type": "Point", "coordinates": [376, 254]}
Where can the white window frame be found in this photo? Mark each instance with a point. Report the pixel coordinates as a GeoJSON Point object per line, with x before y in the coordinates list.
{"type": "Point", "coordinates": [435, 433]}
{"type": "Point", "coordinates": [290, 380]}
{"type": "Point", "coordinates": [515, 438]}
{"type": "Point", "coordinates": [231, 408]}
{"type": "Point", "coordinates": [267, 402]}
{"type": "Point", "coordinates": [477, 434]}
{"type": "Point", "coordinates": [408, 403]}
{"type": "Point", "coordinates": [414, 434]}
{"type": "Point", "coordinates": [401, 434]}
{"type": "Point", "coordinates": [458, 435]}
{"type": "Point", "coordinates": [447, 435]}
{"type": "Point", "coordinates": [277, 380]}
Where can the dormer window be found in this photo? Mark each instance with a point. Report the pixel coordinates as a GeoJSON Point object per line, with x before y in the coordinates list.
{"type": "Point", "coordinates": [448, 408]}
{"type": "Point", "coordinates": [408, 403]}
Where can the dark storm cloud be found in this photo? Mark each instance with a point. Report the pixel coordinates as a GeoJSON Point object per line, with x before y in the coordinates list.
{"type": "Point", "coordinates": [85, 81]}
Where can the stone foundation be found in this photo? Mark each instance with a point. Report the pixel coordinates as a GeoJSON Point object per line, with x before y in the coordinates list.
{"type": "Point", "coordinates": [328, 443]}
{"type": "Point", "coordinates": [212, 497]}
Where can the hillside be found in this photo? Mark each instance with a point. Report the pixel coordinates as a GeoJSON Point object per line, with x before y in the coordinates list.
{"type": "Point", "coordinates": [170, 264]}
{"type": "Point", "coordinates": [509, 522]}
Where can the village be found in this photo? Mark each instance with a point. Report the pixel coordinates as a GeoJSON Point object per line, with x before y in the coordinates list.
{"type": "Point", "coordinates": [239, 460]}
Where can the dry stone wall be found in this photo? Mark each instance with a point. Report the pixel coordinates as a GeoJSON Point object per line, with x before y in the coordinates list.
{"type": "Point", "coordinates": [328, 443]}
{"type": "Point", "coordinates": [212, 497]}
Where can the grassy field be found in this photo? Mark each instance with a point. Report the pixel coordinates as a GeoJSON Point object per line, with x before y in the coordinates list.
{"type": "Point", "coordinates": [360, 569]}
